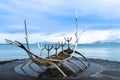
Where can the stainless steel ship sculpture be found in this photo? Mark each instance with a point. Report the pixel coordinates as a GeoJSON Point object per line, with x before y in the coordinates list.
{"type": "Point", "coordinates": [62, 57]}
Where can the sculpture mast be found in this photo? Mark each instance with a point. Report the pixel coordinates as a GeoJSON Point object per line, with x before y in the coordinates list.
{"type": "Point", "coordinates": [76, 34]}
{"type": "Point", "coordinates": [76, 18]}
{"type": "Point", "coordinates": [26, 35]}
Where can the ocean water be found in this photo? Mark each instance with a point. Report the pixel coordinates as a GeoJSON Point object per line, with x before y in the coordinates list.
{"type": "Point", "coordinates": [97, 51]}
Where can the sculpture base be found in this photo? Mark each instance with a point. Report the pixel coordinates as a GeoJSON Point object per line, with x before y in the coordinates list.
{"type": "Point", "coordinates": [34, 70]}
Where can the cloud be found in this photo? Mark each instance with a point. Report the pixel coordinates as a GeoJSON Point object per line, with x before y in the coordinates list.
{"type": "Point", "coordinates": [87, 37]}
{"type": "Point", "coordinates": [57, 17]}
{"type": "Point", "coordinates": [99, 35]}
{"type": "Point", "coordinates": [102, 8]}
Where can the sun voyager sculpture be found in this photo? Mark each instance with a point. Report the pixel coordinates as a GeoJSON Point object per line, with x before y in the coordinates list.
{"type": "Point", "coordinates": [63, 59]}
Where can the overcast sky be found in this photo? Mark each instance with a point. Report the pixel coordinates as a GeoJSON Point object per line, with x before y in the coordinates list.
{"type": "Point", "coordinates": [53, 19]}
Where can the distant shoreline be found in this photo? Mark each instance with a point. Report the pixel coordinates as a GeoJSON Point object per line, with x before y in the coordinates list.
{"type": "Point", "coordinates": [78, 43]}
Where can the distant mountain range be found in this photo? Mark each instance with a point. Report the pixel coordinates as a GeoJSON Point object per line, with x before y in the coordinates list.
{"type": "Point", "coordinates": [115, 41]}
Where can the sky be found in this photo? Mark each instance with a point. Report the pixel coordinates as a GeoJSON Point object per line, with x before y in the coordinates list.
{"type": "Point", "coordinates": [52, 20]}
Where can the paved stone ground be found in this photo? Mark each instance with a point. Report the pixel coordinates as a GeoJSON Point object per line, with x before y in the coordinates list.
{"type": "Point", "coordinates": [98, 70]}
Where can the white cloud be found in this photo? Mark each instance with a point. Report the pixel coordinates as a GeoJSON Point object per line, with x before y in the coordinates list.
{"type": "Point", "coordinates": [99, 35]}
{"type": "Point", "coordinates": [87, 37]}
{"type": "Point", "coordinates": [93, 36]}
{"type": "Point", "coordinates": [18, 36]}
{"type": "Point", "coordinates": [105, 8]}
{"type": "Point", "coordinates": [42, 15]}
{"type": "Point", "coordinates": [114, 35]}
{"type": "Point", "coordinates": [40, 8]}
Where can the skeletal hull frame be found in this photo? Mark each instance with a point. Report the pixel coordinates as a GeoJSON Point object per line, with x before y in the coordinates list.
{"type": "Point", "coordinates": [39, 70]}
{"type": "Point", "coordinates": [66, 55]}
{"type": "Point", "coordinates": [53, 62]}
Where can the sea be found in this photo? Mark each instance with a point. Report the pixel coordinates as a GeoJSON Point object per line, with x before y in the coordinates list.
{"type": "Point", "coordinates": [98, 51]}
